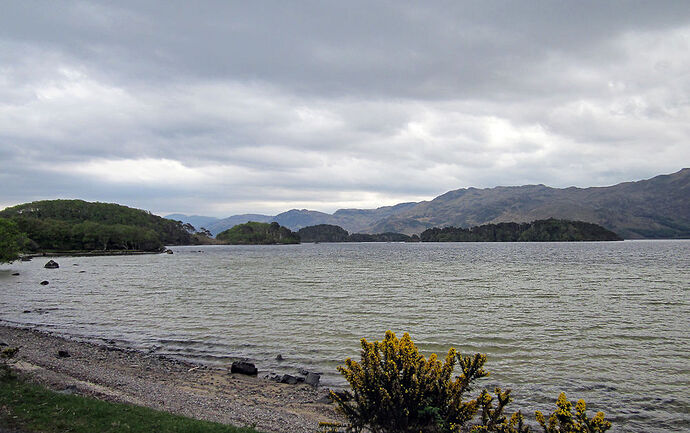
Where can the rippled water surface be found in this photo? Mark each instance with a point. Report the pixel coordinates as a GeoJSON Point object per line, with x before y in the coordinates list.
{"type": "Point", "coordinates": [608, 322]}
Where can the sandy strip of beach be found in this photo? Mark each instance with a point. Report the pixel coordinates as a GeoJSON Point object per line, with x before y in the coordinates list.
{"type": "Point", "coordinates": [183, 388]}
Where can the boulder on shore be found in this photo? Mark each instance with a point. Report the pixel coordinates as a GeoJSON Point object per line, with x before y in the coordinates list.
{"type": "Point", "coordinates": [291, 380]}
{"type": "Point", "coordinates": [51, 265]}
{"type": "Point", "coordinates": [243, 367]}
{"type": "Point", "coordinates": [312, 379]}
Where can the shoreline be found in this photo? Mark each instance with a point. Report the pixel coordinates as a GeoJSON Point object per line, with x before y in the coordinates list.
{"type": "Point", "coordinates": [184, 388]}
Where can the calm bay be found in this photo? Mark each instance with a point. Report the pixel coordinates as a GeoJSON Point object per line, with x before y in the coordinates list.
{"type": "Point", "coordinates": [607, 321]}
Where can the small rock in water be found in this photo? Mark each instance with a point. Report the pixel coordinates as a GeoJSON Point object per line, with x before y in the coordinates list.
{"type": "Point", "coordinates": [15, 273]}
{"type": "Point", "coordinates": [51, 265]}
{"type": "Point", "coordinates": [82, 272]}
{"type": "Point", "coordinates": [63, 354]}
{"type": "Point", "coordinates": [243, 367]}
{"type": "Point", "coordinates": [279, 357]}
{"type": "Point", "coordinates": [26, 311]}
{"type": "Point", "coordinates": [44, 283]}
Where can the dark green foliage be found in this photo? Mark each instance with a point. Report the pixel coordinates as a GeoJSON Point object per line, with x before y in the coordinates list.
{"type": "Point", "coordinates": [80, 225]}
{"type": "Point", "coordinates": [379, 237]}
{"type": "Point", "coordinates": [11, 241]}
{"type": "Point", "coordinates": [323, 233]}
{"type": "Point", "coordinates": [550, 230]}
{"type": "Point", "coordinates": [253, 233]}
{"type": "Point", "coordinates": [332, 233]}
{"type": "Point", "coordinates": [31, 408]}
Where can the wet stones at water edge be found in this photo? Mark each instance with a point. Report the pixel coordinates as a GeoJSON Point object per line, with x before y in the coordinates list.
{"type": "Point", "coordinates": [290, 379]}
{"type": "Point", "coordinates": [168, 251]}
{"type": "Point", "coordinates": [243, 367]}
{"type": "Point", "coordinates": [310, 378]}
{"type": "Point", "coordinates": [51, 265]}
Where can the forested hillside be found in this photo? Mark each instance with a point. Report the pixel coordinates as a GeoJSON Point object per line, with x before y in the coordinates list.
{"type": "Point", "coordinates": [550, 230]}
{"type": "Point", "coordinates": [67, 225]}
{"type": "Point", "coordinates": [254, 233]}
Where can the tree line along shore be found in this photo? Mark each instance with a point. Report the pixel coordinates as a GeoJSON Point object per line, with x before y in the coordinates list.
{"type": "Point", "coordinates": [77, 226]}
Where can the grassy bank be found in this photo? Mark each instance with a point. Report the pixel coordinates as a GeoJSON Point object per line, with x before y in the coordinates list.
{"type": "Point", "coordinates": [31, 408]}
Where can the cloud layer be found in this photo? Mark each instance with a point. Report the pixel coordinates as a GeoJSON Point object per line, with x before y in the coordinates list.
{"type": "Point", "coordinates": [225, 107]}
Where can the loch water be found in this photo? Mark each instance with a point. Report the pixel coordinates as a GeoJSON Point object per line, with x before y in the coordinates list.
{"type": "Point", "coordinates": [605, 321]}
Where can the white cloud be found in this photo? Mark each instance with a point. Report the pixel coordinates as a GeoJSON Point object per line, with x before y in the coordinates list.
{"type": "Point", "coordinates": [222, 117]}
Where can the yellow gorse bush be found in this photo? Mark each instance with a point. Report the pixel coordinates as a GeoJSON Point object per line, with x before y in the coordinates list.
{"type": "Point", "coordinates": [395, 389]}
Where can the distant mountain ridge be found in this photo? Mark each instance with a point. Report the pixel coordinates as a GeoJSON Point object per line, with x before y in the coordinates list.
{"type": "Point", "coordinates": [653, 208]}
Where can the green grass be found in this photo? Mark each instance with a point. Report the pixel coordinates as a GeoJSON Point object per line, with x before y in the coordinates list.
{"type": "Point", "coordinates": [31, 408]}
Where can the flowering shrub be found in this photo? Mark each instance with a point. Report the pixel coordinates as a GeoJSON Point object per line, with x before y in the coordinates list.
{"type": "Point", "coordinates": [395, 389]}
{"type": "Point", "coordinates": [562, 419]}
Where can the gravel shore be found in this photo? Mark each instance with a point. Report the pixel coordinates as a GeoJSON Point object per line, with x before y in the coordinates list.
{"type": "Point", "coordinates": [183, 388]}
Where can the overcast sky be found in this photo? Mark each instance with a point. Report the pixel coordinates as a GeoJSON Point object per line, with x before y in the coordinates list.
{"type": "Point", "coordinates": [219, 108]}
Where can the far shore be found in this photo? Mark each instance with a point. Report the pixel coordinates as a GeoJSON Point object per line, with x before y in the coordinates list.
{"type": "Point", "coordinates": [184, 388]}
{"type": "Point", "coordinates": [90, 253]}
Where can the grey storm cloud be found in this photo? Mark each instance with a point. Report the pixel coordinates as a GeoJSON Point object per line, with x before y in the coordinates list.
{"type": "Point", "coordinates": [228, 107]}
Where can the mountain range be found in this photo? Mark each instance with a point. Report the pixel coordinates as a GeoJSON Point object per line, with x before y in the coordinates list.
{"type": "Point", "coordinates": [653, 208]}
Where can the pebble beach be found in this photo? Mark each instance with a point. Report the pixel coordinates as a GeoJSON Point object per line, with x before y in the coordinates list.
{"type": "Point", "coordinates": [194, 390]}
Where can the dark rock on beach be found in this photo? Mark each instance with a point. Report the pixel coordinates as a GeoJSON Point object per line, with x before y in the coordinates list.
{"type": "Point", "coordinates": [243, 367]}
{"type": "Point", "coordinates": [291, 380]}
{"type": "Point", "coordinates": [15, 273]}
{"type": "Point", "coordinates": [51, 265]}
{"type": "Point", "coordinates": [312, 379]}
{"type": "Point", "coordinates": [45, 282]}
{"type": "Point", "coordinates": [63, 354]}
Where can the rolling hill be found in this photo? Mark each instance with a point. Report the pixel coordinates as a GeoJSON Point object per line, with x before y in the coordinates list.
{"type": "Point", "coordinates": [654, 208]}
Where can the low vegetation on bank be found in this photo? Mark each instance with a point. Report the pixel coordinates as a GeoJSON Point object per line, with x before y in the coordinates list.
{"type": "Point", "coordinates": [32, 408]}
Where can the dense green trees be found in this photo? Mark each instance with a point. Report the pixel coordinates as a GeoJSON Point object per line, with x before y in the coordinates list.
{"type": "Point", "coordinates": [323, 233]}
{"type": "Point", "coordinates": [332, 233]}
{"type": "Point", "coordinates": [79, 225]}
{"type": "Point", "coordinates": [550, 230]}
{"type": "Point", "coordinates": [253, 233]}
{"type": "Point", "coordinates": [11, 241]}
